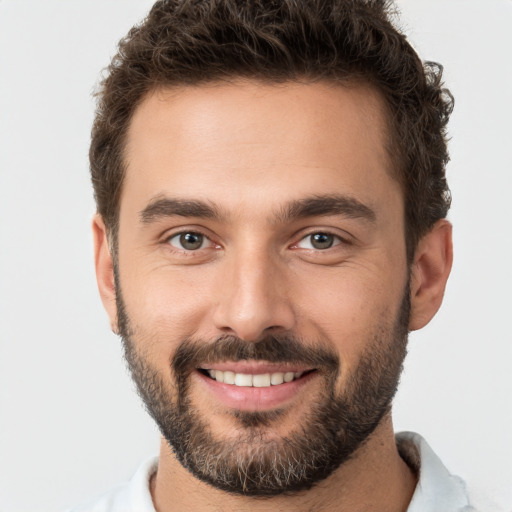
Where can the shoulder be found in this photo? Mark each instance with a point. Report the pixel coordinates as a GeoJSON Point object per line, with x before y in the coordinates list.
{"type": "Point", "coordinates": [437, 488]}
{"type": "Point", "coordinates": [131, 496]}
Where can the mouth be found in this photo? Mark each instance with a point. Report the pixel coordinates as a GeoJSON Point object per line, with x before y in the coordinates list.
{"type": "Point", "coordinates": [256, 380]}
{"type": "Point", "coordinates": [253, 386]}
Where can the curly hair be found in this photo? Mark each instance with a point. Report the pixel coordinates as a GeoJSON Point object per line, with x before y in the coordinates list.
{"type": "Point", "coordinates": [184, 42]}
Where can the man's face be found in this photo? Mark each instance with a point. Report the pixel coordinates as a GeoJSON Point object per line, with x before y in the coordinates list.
{"type": "Point", "coordinates": [262, 285]}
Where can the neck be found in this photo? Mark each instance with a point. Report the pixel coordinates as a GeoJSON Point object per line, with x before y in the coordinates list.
{"type": "Point", "coordinates": [374, 479]}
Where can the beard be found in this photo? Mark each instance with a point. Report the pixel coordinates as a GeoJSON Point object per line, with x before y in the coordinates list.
{"type": "Point", "coordinates": [255, 463]}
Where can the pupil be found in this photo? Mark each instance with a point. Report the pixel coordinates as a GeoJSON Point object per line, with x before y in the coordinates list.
{"type": "Point", "coordinates": [191, 241]}
{"type": "Point", "coordinates": [322, 241]}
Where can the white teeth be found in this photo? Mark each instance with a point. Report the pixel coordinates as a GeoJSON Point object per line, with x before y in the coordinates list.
{"type": "Point", "coordinates": [276, 378]}
{"type": "Point", "coordinates": [242, 379]}
{"type": "Point", "coordinates": [229, 377]}
{"type": "Point", "coordinates": [263, 380]}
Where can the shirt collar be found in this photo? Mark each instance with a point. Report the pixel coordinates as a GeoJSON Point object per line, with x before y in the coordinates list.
{"type": "Point", "coordinates": [437, 488]}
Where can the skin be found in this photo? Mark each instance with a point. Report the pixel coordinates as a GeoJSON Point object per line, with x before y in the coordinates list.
{"type": "Point", "coordinates": [250, 149]}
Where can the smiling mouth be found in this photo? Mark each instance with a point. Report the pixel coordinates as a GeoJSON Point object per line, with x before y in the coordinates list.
{"type": "Point", "coordinates": [259, 380]}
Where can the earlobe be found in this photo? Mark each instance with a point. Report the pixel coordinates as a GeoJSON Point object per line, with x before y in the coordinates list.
{"type": "Point", "coordinates": [104, 269]}
{"type": "Point", "coordinates": [430, 270]}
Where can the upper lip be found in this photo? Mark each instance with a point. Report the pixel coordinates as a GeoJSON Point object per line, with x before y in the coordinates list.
{"type": "Point", "coordinates": [254, 367]}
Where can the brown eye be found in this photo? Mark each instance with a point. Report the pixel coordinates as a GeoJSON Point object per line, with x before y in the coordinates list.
{"type": "Point", "coordinates": [188, 241]}
{"type": "Point", "coordinates": [322, 240]}
{"type": "Point", "coordinates": [319, 241]}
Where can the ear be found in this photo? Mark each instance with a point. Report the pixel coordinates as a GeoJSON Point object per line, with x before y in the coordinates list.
{"type": "Point", "coordinates": [430, 270]}
{"type": "Point", "coordinates": [104, 270]}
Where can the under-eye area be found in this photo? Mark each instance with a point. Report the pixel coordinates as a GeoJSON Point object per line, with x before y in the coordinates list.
{"type": "Point", "coordinates": [254, 380]}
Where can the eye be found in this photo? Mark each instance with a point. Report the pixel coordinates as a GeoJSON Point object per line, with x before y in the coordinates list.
{"type": "Point", "coordinates": [189, 241]}
{"type": "Point", "coordinates": [319, 241]}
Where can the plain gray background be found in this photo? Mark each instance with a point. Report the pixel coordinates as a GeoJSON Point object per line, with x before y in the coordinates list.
{"type": "Point", "coordinates": [70, 424]}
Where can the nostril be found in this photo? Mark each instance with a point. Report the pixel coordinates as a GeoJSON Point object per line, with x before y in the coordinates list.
{"type": "Point", "coordinates": [250, 315]}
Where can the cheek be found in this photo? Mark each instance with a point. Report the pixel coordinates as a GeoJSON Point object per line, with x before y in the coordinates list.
{"type": "Point", "coordinates": [349, 311]}
{"type": "Point", "coordinates": [166, 302]}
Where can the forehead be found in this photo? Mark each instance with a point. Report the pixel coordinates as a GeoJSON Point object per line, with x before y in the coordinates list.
{"type": "Point", "coordinates": [237, 140]}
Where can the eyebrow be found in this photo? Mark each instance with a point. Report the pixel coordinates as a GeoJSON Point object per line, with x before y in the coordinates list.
{"type": "Point", "coordinates": [163, 207]}
{"type": "Point", "coordinates": [315, 206]}
{"type": "Point", "coordinates": [324, 205]}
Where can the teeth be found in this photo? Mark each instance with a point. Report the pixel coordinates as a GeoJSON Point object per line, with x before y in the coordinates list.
{"type": "Point", "coordinates": [276, 378]}
{"type": "Point", "coordinates": [241, 379]}
{"type": "Point", "coordinates": [229, 377]}
{"type": "Point", "coordinates": [288, 376]}
{"type": "Point", "coordinates": [261, 381]}
{"type": "Point", "coordinates": [258, 381]}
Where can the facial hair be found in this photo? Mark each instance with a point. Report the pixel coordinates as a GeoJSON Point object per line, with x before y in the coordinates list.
{"type": "Point", "coordinates": [255, 464]}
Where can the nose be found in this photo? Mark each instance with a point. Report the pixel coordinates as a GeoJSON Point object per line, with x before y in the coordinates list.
{"type": "Point", "coordinates": [253, 299]}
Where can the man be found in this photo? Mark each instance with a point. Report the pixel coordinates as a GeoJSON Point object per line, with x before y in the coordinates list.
{"type": "Point", "coordinates": [271, 224]}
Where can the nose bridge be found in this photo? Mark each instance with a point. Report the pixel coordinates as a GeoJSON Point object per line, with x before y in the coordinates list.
{"type": "Point", "coordinates": [253, 299]}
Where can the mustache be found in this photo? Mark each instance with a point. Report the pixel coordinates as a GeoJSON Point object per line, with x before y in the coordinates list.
{"type": "Point", "coordinates": [274, 349]}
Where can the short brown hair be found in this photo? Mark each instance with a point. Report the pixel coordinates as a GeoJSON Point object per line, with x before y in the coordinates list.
{"type": "Point", "coordinates": [197, 41]}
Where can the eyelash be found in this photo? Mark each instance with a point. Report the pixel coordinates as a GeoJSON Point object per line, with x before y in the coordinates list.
{"type": "Point", "coordinates": [180, 234]}
{"type": "Point", "coordinates": [337, 240]}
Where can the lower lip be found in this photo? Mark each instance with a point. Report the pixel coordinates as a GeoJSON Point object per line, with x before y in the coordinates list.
{"type": "Point", "coordinates": [246, 398]}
